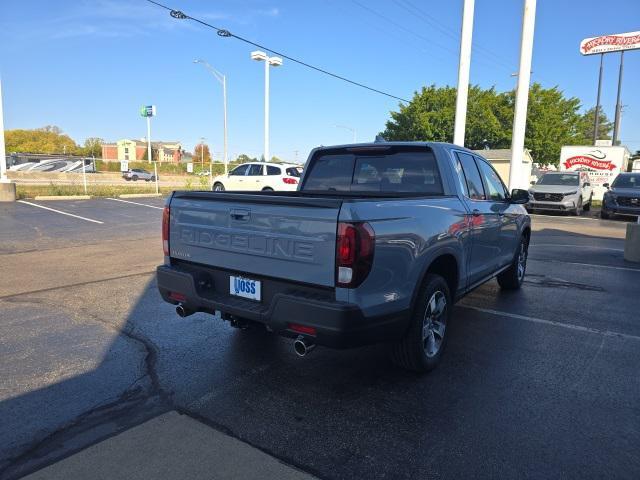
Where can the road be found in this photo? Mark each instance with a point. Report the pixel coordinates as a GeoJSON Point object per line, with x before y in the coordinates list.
{"type": "Point", "coordinates": [541, 383]}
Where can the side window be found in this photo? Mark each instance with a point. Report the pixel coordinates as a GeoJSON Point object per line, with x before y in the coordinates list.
{"type": "Point", "coordinates": [472, 176]}
{"type": "Point", "coordinates": [255, 170]}
{"type": "Point", "coordinates": [493, 183]}
{"type": "Point", "coordinates": [271, 170]}
{"type": "Point", "coordinates": [241, 170]}
{"type": "Point", "coordinates": [457, 166]}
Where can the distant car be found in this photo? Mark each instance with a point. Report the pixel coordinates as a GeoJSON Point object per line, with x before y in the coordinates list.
{"type": "Point", "coordinates": [561, 191]}
{"type": "Point", "coordinates": [136, 174]}
{"type": "Point", "coordinates": [259, 176]}
{"type": "Point", "coordinates": [622, 196]}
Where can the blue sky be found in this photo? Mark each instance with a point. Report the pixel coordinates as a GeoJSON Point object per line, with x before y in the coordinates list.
{"type": "Point", "coordinates": [87, 66]}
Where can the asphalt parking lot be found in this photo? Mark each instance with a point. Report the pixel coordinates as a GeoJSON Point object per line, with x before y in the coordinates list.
{"type": "Point", "coordinates": [539, 383]}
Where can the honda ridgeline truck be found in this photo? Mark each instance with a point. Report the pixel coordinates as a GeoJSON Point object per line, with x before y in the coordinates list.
{"type": "Point", "coordinates": [376, 245]}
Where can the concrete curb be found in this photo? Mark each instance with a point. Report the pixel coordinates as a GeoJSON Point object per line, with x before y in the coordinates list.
{"type": "Point", "coordinates": [62, 197]}
{"type": "Point", "coordinates": [139, 195]}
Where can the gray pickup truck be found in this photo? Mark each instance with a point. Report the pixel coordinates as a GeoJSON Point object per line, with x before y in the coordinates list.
{"type": "Point", "coordinates": [376, 245]}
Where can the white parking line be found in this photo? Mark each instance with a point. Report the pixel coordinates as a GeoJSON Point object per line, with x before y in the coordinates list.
{"type": "Point", "coordinates": [533, 244]}
{"type": "Point", "coordinates": [135, 203]}
{"type": "Point", "coordinates": [611, 267]}
{"type": "Point", "coordinates": [60, 212]}
{"type": "Point", "coordinates": [568, 326]}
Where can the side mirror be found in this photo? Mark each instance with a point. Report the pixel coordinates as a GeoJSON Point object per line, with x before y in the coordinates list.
{"type": "Point", "coordinates": [519, 196]}
{"type": "Point", "coordinates": [532, 182]}
{"type": "Point", "coordinates": [587, 184]}
{"type": "Point", "coordinates": [605, 185]}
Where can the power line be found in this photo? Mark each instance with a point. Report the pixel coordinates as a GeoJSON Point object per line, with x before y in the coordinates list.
{"type": "Point", "coordinates": [226, 33]}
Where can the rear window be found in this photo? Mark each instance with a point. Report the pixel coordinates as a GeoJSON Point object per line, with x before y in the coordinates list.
{"type": "Point", "coordinates": [401, 171]}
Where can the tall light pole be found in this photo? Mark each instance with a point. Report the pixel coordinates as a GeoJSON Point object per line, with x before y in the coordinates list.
{"type": "Point", "coordinates": [352, 130]}
{"type": "Point", "coordinates": [7, 187]}
{"type": "Point", "coordinates": [268, 61]}
{"type": "Point", "coordinates": [463, 72]}
{"type": "Point", "coordinates": [223, 81]}
{"type": "Point", "coordinates": [522, 95]}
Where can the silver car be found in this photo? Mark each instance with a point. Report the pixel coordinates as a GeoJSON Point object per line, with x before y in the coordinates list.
{"type": "Point", "coordinates": [136, 174]}
{"type": "Point", "coordinates": [561, 191]}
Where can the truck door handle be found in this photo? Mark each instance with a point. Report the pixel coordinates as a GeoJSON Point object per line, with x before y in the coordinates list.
{"type": "Point", "coordinates": [475, 212]}
{"type": "Point", "coordinates": [240, 214]}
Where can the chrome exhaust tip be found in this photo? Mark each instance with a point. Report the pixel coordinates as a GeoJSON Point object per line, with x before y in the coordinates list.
{"type": "Point", "coordinates": [182, 311]}
{"type": "Point", "coordinates": [302, 346]}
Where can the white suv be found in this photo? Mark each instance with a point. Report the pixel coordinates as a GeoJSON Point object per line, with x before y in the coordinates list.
{"type": "Point", "coordinates": [259, 176]}
{"type": "Point", "coordinates": [561, 191]}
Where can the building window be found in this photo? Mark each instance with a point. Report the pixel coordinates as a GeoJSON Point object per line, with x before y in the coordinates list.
{"type": "Point", "coordinates": [126, 156]}
{"type": "Point", "coordinates": [126, 149]}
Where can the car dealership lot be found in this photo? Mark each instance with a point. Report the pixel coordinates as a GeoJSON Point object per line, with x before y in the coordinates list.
{"type": "Point", "coordinates": [543, 382]}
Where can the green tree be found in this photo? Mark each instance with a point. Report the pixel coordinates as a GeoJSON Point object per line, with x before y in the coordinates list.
{"type": "Point", "coordinates": [93, 147]}
{"type": "Point", "coordinates": [584, 133]}
{"type": "Point", "coordinates": [49, 139]}
{"type": "Point", "coordinates": [243, 158]}
{"type": "Point", "coordinates": [552, 119]}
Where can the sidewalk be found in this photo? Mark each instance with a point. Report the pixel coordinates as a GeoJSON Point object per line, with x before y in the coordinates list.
{"type": "Point", "coordinates": [171, 446]}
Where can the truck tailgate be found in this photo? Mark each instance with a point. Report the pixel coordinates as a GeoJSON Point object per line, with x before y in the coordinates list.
{"type": "Point", "coordinates": [285, 237]}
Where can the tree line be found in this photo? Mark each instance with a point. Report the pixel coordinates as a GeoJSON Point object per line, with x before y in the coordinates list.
{"type": "Point", "coordinates": [552, 120]}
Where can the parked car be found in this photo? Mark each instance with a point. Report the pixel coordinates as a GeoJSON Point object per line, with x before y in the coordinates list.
{"type": "Point", "coordinates": [622, 196]}
{"type": "Point", "coordinates": [561, 191]}
{"type": "Point", "coordinates": [136, 174]}
{"type": "Point", "coordinates": [376, 245]}
{"type": "Point", "coordinates": [259, 176]}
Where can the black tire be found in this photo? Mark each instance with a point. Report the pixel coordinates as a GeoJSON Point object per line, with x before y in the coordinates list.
{"type": "Point", "coordinates": [134, 178]}
{"type": "Point", "coordinates": [218, 187]}
{"type": "Point", "coordinates": [587, 206]}
{"type": "Point", "coordinates": [512, 277]}
{"type": "Point", "coordinates": [267, 189]}
{"type": "Point", "coordinates": [604, 215]}
{"type": "Point", "coordinates": [421, 348]}
{"type": "Point", "coordinates": [578, 210]}
{"type": "Point", "coordinates": [153, 178]}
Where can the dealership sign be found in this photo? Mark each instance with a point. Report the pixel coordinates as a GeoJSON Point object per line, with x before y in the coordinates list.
{"type": "Point", "coordinates": [588, 161]}
{"type": "Point", "coordinates": [610, 43]}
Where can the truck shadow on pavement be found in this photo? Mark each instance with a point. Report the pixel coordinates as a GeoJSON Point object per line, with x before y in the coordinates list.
{"type": "Point", "coordinates": [503, 394]}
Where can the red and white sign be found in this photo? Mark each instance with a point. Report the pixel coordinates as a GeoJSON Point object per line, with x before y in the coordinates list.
{"type": "Point", "coordinates": [602, 164]}
{"type": "Point", "coordinates": [588, 162]}
{"type": "Point", "coordinates": [610, 43]}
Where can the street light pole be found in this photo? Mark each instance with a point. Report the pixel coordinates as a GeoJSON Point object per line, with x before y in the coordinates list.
{"type": "Point", "coordinates": [223, 80]}
{"type": "Point", "coordinates": [522, 95]}
{"type": "Point", "coordinates": [268, 61]}
{"type": "Point", "coordinates": [464, 64]}
{"type": "Point", "coordinates": [352, 130]}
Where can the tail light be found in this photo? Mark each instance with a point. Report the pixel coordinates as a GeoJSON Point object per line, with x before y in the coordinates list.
{"type": "Point", "coordinates": [290, 181]}
{"type": "Point", "coordinates": [166, 214]}
{"type": "Point", "coordinates": [354, 253]}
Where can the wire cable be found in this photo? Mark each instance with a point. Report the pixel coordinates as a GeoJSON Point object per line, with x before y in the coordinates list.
{"type": "Point", "coordinates": [226, 33]}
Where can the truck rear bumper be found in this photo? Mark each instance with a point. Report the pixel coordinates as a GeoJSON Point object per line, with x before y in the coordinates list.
{"type": "Point", "coordinates": [337, 324]}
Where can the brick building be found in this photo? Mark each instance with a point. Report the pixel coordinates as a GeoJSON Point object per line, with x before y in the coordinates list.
{"type": "Point", "coordinates": [133, 150]}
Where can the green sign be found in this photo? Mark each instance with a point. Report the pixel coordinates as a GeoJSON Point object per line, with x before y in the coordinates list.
{"type": "Point", "coordinates": [148, 110]}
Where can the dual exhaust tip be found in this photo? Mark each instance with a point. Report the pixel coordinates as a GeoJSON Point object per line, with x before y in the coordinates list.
{"type": "Point", "coordinates": [302, 346]}
{"type": "Point", "coordinates": [183, 311]}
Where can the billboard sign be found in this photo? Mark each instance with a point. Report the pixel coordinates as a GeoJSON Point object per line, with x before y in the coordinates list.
{"type": "Point", "coordinates": [124, 165]}
{"type": "Point", "coordinates": [603, 164]}
{"type": "Point", "coordinates": [610, 43]}
{"type": "Point", "coordinates": [148, 111]}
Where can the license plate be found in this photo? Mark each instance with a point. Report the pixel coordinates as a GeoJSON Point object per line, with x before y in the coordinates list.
{"type": "Point", "coordinates": [244, 287]}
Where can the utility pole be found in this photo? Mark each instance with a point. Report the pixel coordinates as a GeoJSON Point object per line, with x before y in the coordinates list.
{"type": "Point", "coordinates": [274, 62]}
{"type": "Point", "coordinates": [464, 65]}
{"type": "Point", "coordinates": [522, 94]}
{"type": "Point", "coordinates": [616, 123]}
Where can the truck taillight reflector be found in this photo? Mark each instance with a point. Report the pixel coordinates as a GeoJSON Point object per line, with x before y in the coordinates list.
{"type": "Point", "coordinates": [166, 214]}
{"type": "Point", "coordinates": [354, 253]}
{"type": "Point", "coordinates": [302, 329]}
{"type": "Point", "coordinates": [290, 181]}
